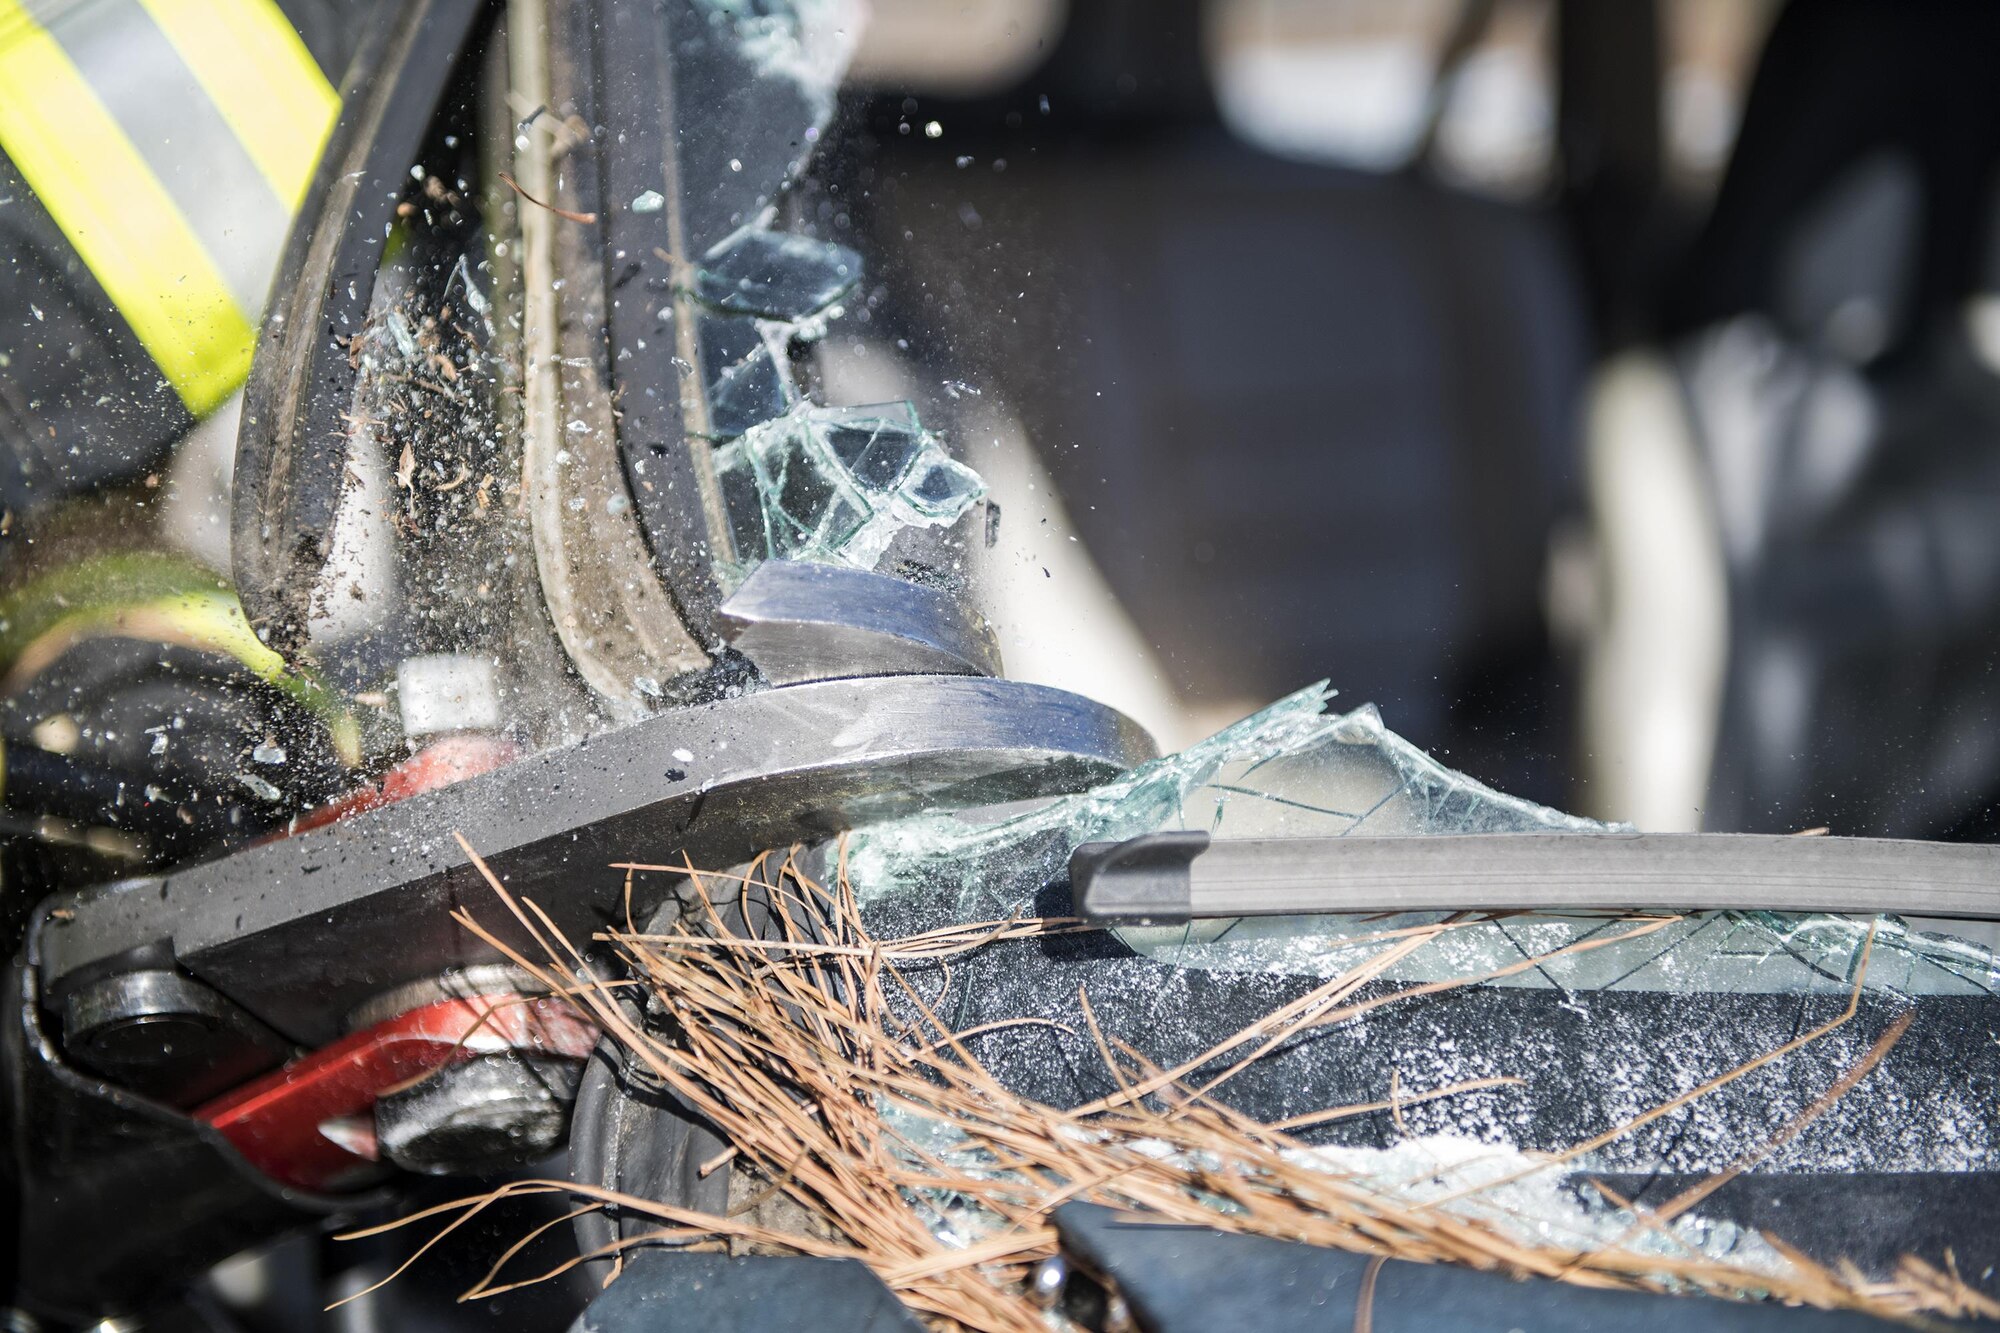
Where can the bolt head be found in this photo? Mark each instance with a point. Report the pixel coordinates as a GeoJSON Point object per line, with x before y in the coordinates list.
{"type": "Point", "coordinates": [479, 1115]}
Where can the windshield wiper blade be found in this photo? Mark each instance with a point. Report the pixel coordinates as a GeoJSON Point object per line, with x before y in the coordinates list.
{"type": "Point", "coordinates": [1174, 877]}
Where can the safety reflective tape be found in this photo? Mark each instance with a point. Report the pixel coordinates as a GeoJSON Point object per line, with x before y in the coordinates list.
{"type": "Point", "coordinates": [171, 142]}
{"type": "Point", "coordinates": [121, 220]}
{"type": "Point", "coordinates": [181, 136]}
{"type": "Point", "coordinates": [261, 78]}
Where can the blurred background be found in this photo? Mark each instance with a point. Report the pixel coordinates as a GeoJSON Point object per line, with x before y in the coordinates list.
{"type": "Point", "coordinates": [1604, 388]}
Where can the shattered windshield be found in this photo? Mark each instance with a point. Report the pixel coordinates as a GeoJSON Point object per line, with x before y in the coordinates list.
{"type": "Point", "coordinates": [1523, 1032]}
{"type": "Point", "coordinates": [582, 582]}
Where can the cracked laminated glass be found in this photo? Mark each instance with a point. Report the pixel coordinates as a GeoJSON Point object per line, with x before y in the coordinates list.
{"type": "Point", "coordinates": [1565, 1025]}
{"type": "Point", "coordinates": [791, 479]}
{"type": "Point", "coordinates": [837, 484]}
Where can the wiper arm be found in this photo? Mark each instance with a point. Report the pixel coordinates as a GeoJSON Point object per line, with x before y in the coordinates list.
{"type": "Point", "coordinates": [1170, 878]}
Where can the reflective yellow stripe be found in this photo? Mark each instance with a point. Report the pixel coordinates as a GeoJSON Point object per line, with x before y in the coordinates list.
{"type": "Point", "coordinates": [248, 58]}
{"type": "Point", "coordinates": [118, 216]}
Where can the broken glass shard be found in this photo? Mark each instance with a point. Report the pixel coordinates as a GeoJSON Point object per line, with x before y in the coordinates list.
{"type": "Point", "coordinates": [1292, 770]}
{"type": "Point", "coordinates": [836, 484]}
{"type": "Point", "coordinates": [743, 368]}
{"type": "Point", "coordinates": [775, 275]}
{"type": "Point", "coordinates": [942, 488]}
{"type": "Point", "coordinates": [258, 787]}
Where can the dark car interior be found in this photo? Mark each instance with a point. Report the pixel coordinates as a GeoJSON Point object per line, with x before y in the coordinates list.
{"type": "Point", "coordinates": [1323, 421]}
